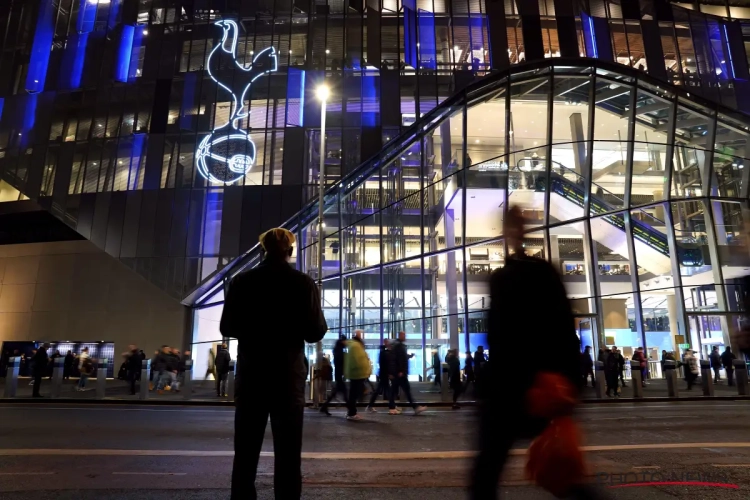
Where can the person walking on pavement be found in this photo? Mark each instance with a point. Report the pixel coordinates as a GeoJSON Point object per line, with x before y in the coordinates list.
{"type": "Point", "coordinates": [357, 371]}
{"type": "Point", "coordinates": [727, 357]}
{"type": "Point", "coordinates": [504, 418]}
{"type": "Point", "coordinates": [693, 369]}
{"type": "Point", "coordinates": [271, 297]}
{"type": "Point", "coordinates": [40, 360]}
{"type": "Point", "coordinates": [587, 367]}
{"type": "Point", "coordinates": [85, 368]}
{"type": "Point", "coordinates": [480, 359]}
{"type": "Point", "coordinates": [133, 366]}
{"type": "Point", "coordinates": [639, 356]}
{"type": "Point", "coordinates": [68, 365]}
{"type": "Point", "coordinates": [715, 359]}
{"type": "Point", "coordinates": [620, 365]}
{"type": "Point", "coordinates": [339, 386]}
{"type": "Point", "coordinates": [223, 358]}
{"type": "Point", "coordinates": [454, 375]}
{"type": "Point", "coordinates": [385, 371]}
{"type": "Point", "coordinates": [611, 372]}
{"type": "Point", "coordinates": [400, 380]}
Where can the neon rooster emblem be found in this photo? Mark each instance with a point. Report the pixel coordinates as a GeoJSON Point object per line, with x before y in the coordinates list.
{"type": "Point", "coordinates": [227, 154]}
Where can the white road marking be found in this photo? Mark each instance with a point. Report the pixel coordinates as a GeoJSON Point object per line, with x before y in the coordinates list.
{"type": "Point", "coordinates": [738, 466]}
{"type": "Point", "coordinates": [647, 467]}
{"type": "Point", "coordinates": [149, 473]}
{"type": "Point", "coordinates": [180, 409]}
{"type": "Point", "coordinates": [417, 455]}
{"type": "Point", "coordinates": [27, 473]}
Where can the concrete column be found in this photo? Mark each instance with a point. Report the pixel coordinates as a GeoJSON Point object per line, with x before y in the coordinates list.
{"type": "Point", "coordinates": [615, 313]}
{"type": "Point", "coordinates": [674, 320]}
{"type": "Point", "coordinates": [554, 249]}
{"type": "Point", "coordinates": [659, 210]}
{"type": "Point", "coordinates": [451, 281]}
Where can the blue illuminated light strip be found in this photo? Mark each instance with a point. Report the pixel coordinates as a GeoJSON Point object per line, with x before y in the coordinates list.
{"type": "Point", "coordinates": [729, 50]}
{"type": "Point", "coordinates": [135, 50]}
{"type": "Point", "coordinates": [41, 48]}
{"type": "Point", "coordinates": [301, 101]}
{"type": "Point", "coordinates": [295, 97]}
{"type": "Point", "coordinates": [86, 16]}
{"type": "Point", "coordinates": [28, 120]}
{"type": "Point", "coordinates": [73, 60]}
{"type": "Point", "coordinates": [239, 164]}
{"type": "Point", "coordinates": [2, 105]}
{"type": "Point", "coordinates": [593, 37]}
{"type": "Point", "coordinates": [114, 14]}
{"type": "Point", "coordinates": [135, 160]}
{"type": "Point", "coordinates": [124, 51]}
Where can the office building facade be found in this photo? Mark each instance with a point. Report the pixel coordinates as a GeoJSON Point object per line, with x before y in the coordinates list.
{"type": "Point", "coordinates": [171, 133]}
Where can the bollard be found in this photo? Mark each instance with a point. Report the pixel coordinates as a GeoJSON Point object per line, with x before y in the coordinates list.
{"type": "Point", "coordinates": [706, 379]}
{"type": "Point", "coordinates": [445, 394]}
{"type": "Point", "coordinates": [11, 376]}
{"type": "Point", "coordinates": [599, 381]}
{"type": "Point", "coordinates": [187, 380]}
{"type": "Point", "coordinates": [101, 378]}
{"type": "Point", "coordinates": [671, 375]}
{"type": "Point", "coordinates": [57, 375]}
{"type": "Point", "coordinates": [145, 369]}
{"type": "Point", "coordinates": [740, 376]}
{"type": "Point", "coordinates": [636, 379]}
{"type": "Point", "coordinates": [231, 379]}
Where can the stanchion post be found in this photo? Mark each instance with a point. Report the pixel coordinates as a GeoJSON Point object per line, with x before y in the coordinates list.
{"type": "Point", "coordinates": [11, 376]}
{"type": "Point", "coordinates": [101, 378]}
{"type": "Point", "coordinates": [187, 380]}
{"type": "Point", "coordinates": [636, 378]}
{"type": "Point", "coordinates": [706, 380]}
{"type": "Point", "coordinates": [671, 374]}
{"type": "Point", "coordinates": [231, 379]}
{"type": "Point", "coordinates": [145, 369]}
{"type": "Point", "coordinates": [57, 375]}
{"type": "Point", "coordinates": [599, 381]}
{"type": "Point", "coordinates": [740, 375]}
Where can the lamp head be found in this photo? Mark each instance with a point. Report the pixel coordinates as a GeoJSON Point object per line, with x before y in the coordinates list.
{"type": "Point", "coordinates": [322, 92]}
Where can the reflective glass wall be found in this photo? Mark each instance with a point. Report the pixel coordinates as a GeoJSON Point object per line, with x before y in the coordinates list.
{"type": "Point", "coordinates": [637, 193]}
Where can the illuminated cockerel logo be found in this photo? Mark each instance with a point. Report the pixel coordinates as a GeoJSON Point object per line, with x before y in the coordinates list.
{"type": "Point", "coordinates": [227, 154]}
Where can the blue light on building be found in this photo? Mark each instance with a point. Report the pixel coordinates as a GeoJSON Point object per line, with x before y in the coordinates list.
{"type": "Point", "coordinates": [41, 48]}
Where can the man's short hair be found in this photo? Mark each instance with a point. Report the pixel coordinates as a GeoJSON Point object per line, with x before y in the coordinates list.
{"type": "Point", "coordinates": [277, 241]}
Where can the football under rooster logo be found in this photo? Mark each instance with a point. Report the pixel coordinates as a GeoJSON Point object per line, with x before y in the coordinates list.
{"type": "Point", "coordinates": [227, 154]}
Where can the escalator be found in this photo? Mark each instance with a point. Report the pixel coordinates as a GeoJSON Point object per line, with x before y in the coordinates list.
{"type": "Point", "coordinates": [652, 246]}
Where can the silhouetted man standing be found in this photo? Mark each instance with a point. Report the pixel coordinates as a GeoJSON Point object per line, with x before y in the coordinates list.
{"type": "Point", "coordinates": [527, 296]}
{"type": "Point", "coordinates": [40, 361]}
{"type": "Point", "coordinates": [272, 310]}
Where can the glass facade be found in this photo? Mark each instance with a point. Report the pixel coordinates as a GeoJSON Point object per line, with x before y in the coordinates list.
{"type": "Point", "coordinates": [636, 193]}
{"type": "Point", "coordinates": [172, 132]}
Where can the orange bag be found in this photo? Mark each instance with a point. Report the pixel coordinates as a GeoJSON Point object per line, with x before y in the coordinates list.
{"type": "Point", "coordinates": [555, 459]}
{"type": "Point", "coordinates": [552, 395]}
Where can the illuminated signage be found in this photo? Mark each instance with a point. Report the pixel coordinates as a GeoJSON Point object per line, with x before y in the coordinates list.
{"type": "Point", "coordinates": [227, 154]}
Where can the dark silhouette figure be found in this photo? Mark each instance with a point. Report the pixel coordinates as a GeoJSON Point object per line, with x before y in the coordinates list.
{"type": "Point", "coordinates": [272, 310]}
{"type": "Point", "coordinates": [40, 362]}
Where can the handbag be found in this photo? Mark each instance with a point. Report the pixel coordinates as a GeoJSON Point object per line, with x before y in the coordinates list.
{"type": "Point", "coordinates": [556, 462]}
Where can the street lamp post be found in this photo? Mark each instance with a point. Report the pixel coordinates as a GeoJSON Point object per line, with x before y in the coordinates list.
{"type": "Point", "coordinates": [322, 92]}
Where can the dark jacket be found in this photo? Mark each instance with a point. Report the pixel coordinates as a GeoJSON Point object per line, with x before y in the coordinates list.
{"type": "Point", "coordinates": [273, 308]}
{"type": "Point", "coordinates": [529, 302]}
{"type": "Point", "coordinates": [726, 359]}
{"type": "Point", "coordinates": [338, 357]}
{"type": "Point", "coordinates": [401, 358]}
{"type": "Point", "coordinates": [587, 363]}
{"type": "Point", "coordinates": [715, 358]}
{"type": "Point", "coordinates": [386, 363]}
{"type": "Point", "coordinates": [134, 361]}
{"type": "Point", "coordinates": [159, 362]}
{"type": "Point", "coordinates": [454, 371]}
{"type": "Point", "coordinates": [40, 361]}
{"type": "Point", "coordinates": [222, 361]}
{"type": "Point", "coordinates": [172, 362]}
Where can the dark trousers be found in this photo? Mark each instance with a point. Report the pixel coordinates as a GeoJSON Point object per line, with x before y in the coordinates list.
{"type": "Point", "coordinates": [611, 379]}
{"type": "Point", "coordinates": [220, 377]}
{"type": "Point", "coordinates": [730, 376]}
{"type": "Point", "coordinates": [37, 384]}
{"type": "Point", "coordinates": [132, 378]}
{"type": "Point", "coordinates": [383, 388]}
{"type": "Point", "coordinates": [622, 378]}
{"type": "Point", "coordinates": [717, 375]}
{"type": "Point", "coordinates": [403, 384]}
{"type": "Point", "coordinates": [356, 389]}
{"type": "Point", "coordinates": [690, 378]}
{"type": "Point", "coordinates": [457, 390]}
{"type": "Point", "coordinates": [495, 443]}
{"type": "Point", "coordinates": [250, 421]}
{"type": "Point", "coordinates": [339, 386]}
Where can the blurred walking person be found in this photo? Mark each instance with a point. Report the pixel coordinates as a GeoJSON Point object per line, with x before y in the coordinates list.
{"type": "Point", "coordinates": [454, 376]}
{"type": "Point", "coordinates": [40, 360]}
{"type": "Point", "coordinates": [527, 295]}
{"type": "Point", "coordinates": [133, 366]}
{"type": "Point", "coordinates": [272, 297]}
{"type": "Point", "coordinates": [587, 367]}
{"type": "Point", "coordinates": [223, 358]}
{"type": "Point", "coordinates": [85, 368]}
{"type": "Point", "coordinates": [358, 370]}
{"type": "Point", "coordinates": [727, 357]}
{"type": "Point", "coordinates": [401, 379]}
{"type": "Point", "coordinates": [339, 386]}
{"type": "Point", "coordinates": [386, 369]}
{"type": "Point", "coordinates": [68, 365]}
{"type": "Point", "coordinates": [715, 359]}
